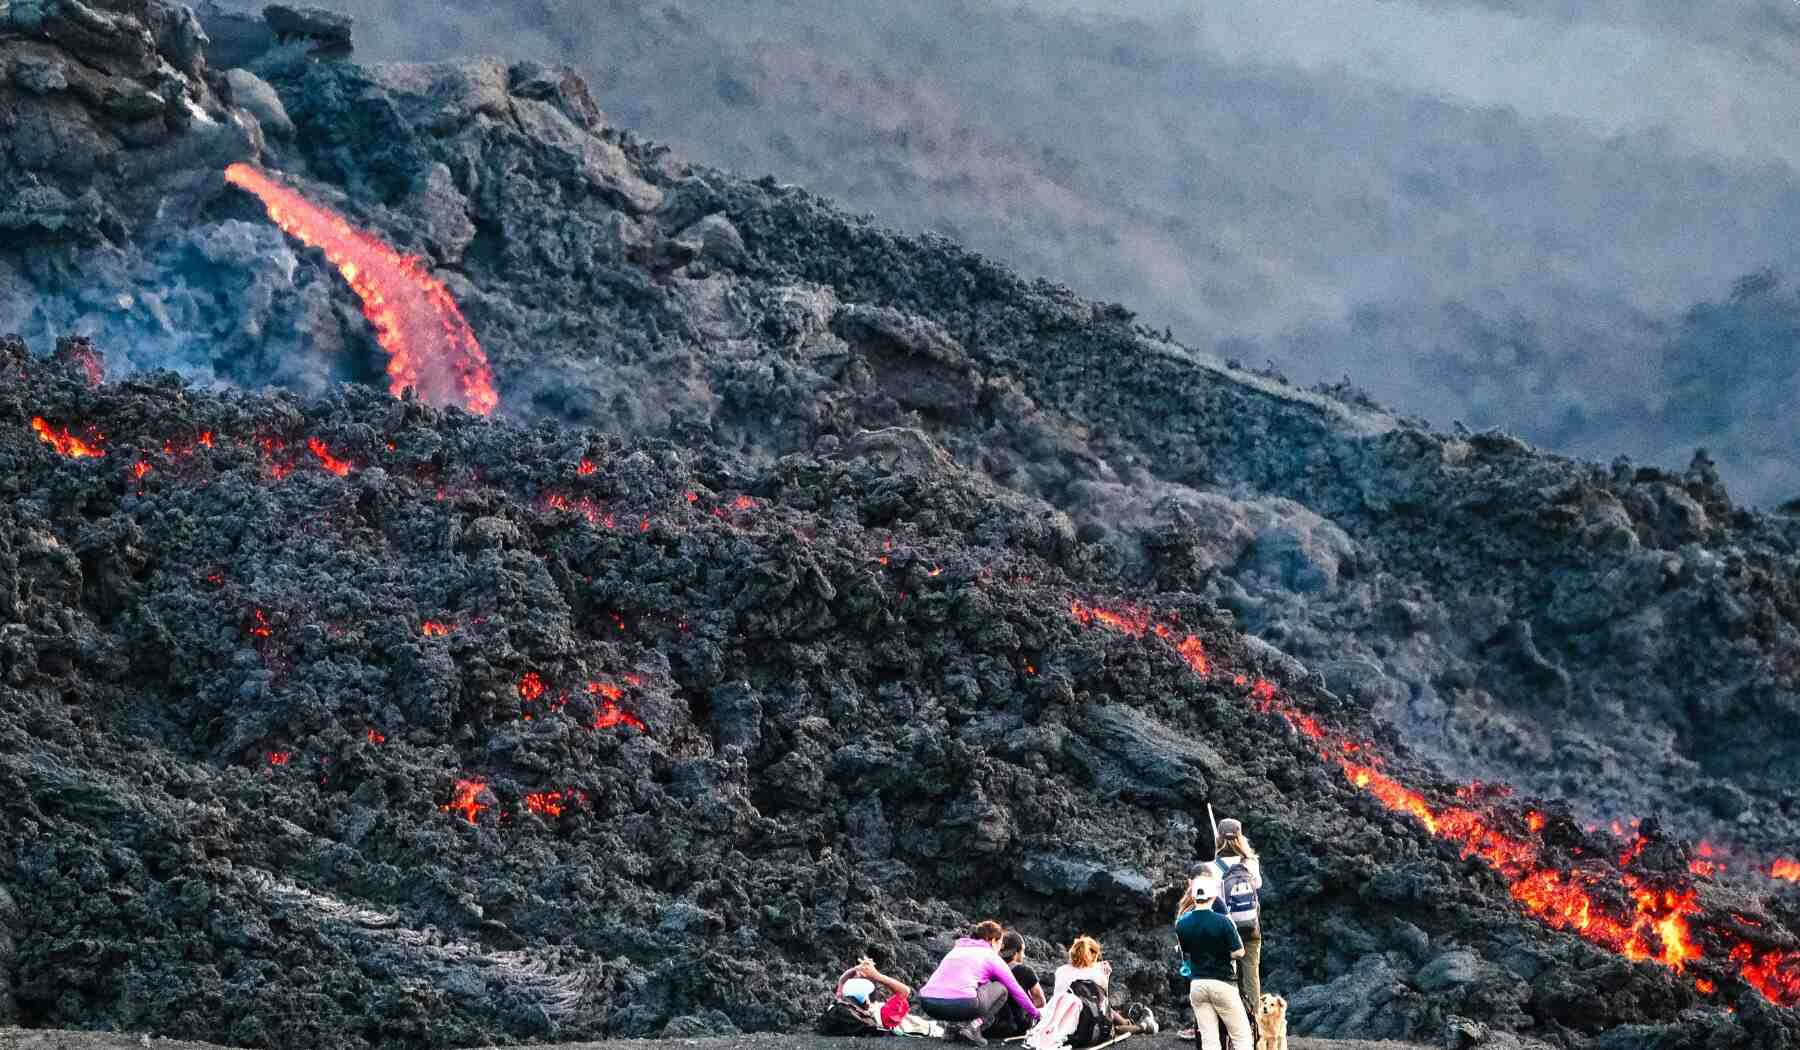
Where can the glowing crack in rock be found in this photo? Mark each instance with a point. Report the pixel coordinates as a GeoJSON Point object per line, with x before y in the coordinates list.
{"type": "Point", "coordinates": [1641, 917]}
{"type": "Point", "coordinates": [430, 346]}
{"type": "Point", "coordinates": [64, 442]}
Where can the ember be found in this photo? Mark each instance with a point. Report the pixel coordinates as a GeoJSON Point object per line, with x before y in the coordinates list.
{"type": "Point", "coordinates": [465, 799]}
{"type": "Point", "coordinates": [586, 468]}
{"type": "Point", "coordinates": [376, 736]}
{"type": "Point", "coordinates": [340, 467]}
{"type": "Point", "coordinates": [550, 803]}
{"type": "Point", "coordinates": [261, 628]}
{"type": "Point", "coordinates": [434, 629]}
{"type": "Point", "coordinates": [429, 345]}
{"type": "Point", "coordinates": [531, 686]}
{"type": "Point", "coordinates": [64, 442]}
{"type": "Point", "coordinates": [279, 758]}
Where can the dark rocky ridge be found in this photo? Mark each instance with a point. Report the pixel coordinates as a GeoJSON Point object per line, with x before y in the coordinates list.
{"type": "Point", "coordinates": [744, 337]}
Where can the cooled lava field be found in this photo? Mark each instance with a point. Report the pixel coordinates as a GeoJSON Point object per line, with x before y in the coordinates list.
{"type": "Point", "coordinates": [468, 576]}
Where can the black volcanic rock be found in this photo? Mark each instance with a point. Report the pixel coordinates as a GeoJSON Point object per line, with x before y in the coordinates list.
{"type": "Point", "coordinates": [844, 487]}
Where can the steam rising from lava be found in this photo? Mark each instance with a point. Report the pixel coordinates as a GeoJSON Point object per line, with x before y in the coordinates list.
{"type": "Point", "coordinates": [429, 346]}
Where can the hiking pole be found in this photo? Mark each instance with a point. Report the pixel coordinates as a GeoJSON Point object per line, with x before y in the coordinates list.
{"type": "Point", "coordinates": [1214, 821]}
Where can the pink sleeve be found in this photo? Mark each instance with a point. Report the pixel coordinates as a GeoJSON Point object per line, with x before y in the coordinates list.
{"type": "Point", "coordinates": [998, 970]}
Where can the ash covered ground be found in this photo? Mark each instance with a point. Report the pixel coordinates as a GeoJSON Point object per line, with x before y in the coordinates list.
{"type": "Point", "coordinates": [814, 590]}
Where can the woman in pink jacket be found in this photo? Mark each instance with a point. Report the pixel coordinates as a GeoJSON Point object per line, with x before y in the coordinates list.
{"type": "Point", "coordinates": [970, 986]}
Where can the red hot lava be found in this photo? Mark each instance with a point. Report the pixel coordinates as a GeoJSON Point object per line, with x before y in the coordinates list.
{"type": "Point", "coordinates": [64, 442]}
{"type": "Point", "coordinates": [552, 803]}
{"type": "Point", "coordinates": [1619, 910]}
{"type": "Point", "coordinates": [465, 799]}
{"type": "Point", "coordinates": [430, 346]}
{"type": "Point", "coordinates": [610, 713]}
{"type": "Point", "coordinates": [340, 467]}
{"type": "Point", "coordinates": [1787, 869]}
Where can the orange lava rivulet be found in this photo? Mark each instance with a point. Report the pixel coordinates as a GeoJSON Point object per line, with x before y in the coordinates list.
{"type": "Point", "coordinates": [1642, 917]}
{"type": "Point", "coordinates": [430, 346]}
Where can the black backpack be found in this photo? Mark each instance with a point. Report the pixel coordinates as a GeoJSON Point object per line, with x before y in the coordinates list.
{"type": "Point", "coordinates": [847, 1018]}
{"type": "Point", "coordinates": [1095, 1025]}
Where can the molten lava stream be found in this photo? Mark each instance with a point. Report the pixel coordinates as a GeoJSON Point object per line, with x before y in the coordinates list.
{"type": "Point", "coordinates": [430, 346]}
{"type": "Point", "coordinates": [1618, 910]}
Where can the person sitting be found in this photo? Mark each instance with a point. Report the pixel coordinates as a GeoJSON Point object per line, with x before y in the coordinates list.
{"type": "Point", "coordinates": [1209, 946]}
{"type": "Point", "coordinates": [859, 985]}
{"type": "Point", "coordinates": [971, 985]}
{"type": "Point", "coordinates": [1012, 1019]}
{"type": "Point", "coordinates": [1083, 1016]}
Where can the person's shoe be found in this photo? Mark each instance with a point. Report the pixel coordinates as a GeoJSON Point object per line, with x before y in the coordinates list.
{"type": "Point", "coordinates": [1190, 1034]}
{"type": "Point", "coordinates": [970, 1032]}
{"type": "Point", "coordinates": [1148, 1022]}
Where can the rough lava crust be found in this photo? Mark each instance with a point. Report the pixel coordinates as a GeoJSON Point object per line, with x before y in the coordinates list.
{"type": "Point", "coordinates": [743, 639]}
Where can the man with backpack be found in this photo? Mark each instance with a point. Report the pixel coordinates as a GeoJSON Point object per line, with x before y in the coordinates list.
{"type": "Point", "coordinates": [1209, 945]}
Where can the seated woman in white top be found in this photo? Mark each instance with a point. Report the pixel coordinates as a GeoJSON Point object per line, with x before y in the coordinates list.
{"type": "Point", "coordinates": [1084, 965]}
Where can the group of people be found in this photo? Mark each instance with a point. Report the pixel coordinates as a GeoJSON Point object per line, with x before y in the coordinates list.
{"type": "Point", "coordinates": [984, 988]}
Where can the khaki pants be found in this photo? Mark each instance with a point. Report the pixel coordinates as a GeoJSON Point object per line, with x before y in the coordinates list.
{"type": "Point", "coordinates": [1215, 1001]}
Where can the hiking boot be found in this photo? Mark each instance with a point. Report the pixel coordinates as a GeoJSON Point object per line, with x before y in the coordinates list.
{"type": "Point", "coordinates": [1146, 1020]}
{"type": "Point", "coordinates": [970, 1032]}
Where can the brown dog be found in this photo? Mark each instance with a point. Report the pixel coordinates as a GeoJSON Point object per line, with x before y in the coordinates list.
{"type": "Point", "coordinates": [1271, 1022]}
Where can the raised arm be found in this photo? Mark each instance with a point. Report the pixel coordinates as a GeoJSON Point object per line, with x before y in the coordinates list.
{"type": "Point", "coordinates": [892, 984]}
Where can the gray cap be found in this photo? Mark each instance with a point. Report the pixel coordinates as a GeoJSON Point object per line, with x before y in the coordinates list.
{"type": "Point", "coordinates": [1229, 826]}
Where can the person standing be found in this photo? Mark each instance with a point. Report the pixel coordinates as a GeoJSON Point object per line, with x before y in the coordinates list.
{"type": "Point", "coordinates": [1239, 871]}
{"type": "Point", "coordinates": [1209, 946]}
{"type": "Point", "coordinates": [971, 985]}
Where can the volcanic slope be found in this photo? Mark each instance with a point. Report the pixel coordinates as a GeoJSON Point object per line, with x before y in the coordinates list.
{"type": "Point", "coordinates": [1619, 636]}
{"type": "Point", "coordinates": [1622, 637]}
{"type": "Point", "coordinates": [887, 591]}
{"type": "Point", "coordinates": [354, 723]}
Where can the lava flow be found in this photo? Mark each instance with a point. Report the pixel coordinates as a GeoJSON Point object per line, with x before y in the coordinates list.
{"type": "Point", "coordinates": [64, 442]}
{"type": "Point", "coordinates": [430, 346]}
{"type": "Point", "coordinates": [1786, 869]}
{"type": "Point", "coordinates": [1643, 918]}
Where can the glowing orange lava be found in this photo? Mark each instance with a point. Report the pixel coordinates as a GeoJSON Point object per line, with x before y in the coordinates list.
{"type": "Point", "coordinates": [551, 803]}
{"type": "Point", "coordinates": [1787, 868]}
{"type": "Point", "coordinates": [340, 467]}
{"type": "Point", "coordinates": [376, 736]}
{"type": "Point", "coordinates": [261, 628]}
{"type": "Point", "coordinates": [64, 442]}
{"type": "Point", "coordinates": [434, 629]}
{"type": "Point", "coordinates": [1643, 918]}
{"type": "Point", "coordinates": [586, 468]}
{"type": "Point", "coordinates": [430, 346]}
{"type": "Point", "coordinates": [531, 686]}
{"type": "Point", "coordinates": [139, 469]}
{"type": "Point", "coordinates": [279, 758]}
{"type": "Point", "coordinates": [464, 799]}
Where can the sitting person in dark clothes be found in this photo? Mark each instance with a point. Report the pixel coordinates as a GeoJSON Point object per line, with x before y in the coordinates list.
{"type": "Point", "coordinates": [1012, 1018]}
{"type": "Point", "coordinates": [972, 984]}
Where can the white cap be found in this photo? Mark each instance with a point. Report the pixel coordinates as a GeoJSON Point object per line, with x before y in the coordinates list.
{"type": "Point", "coordinates": [1204, 889]}
{"type": "Point", "coordinates": [859, 989]}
